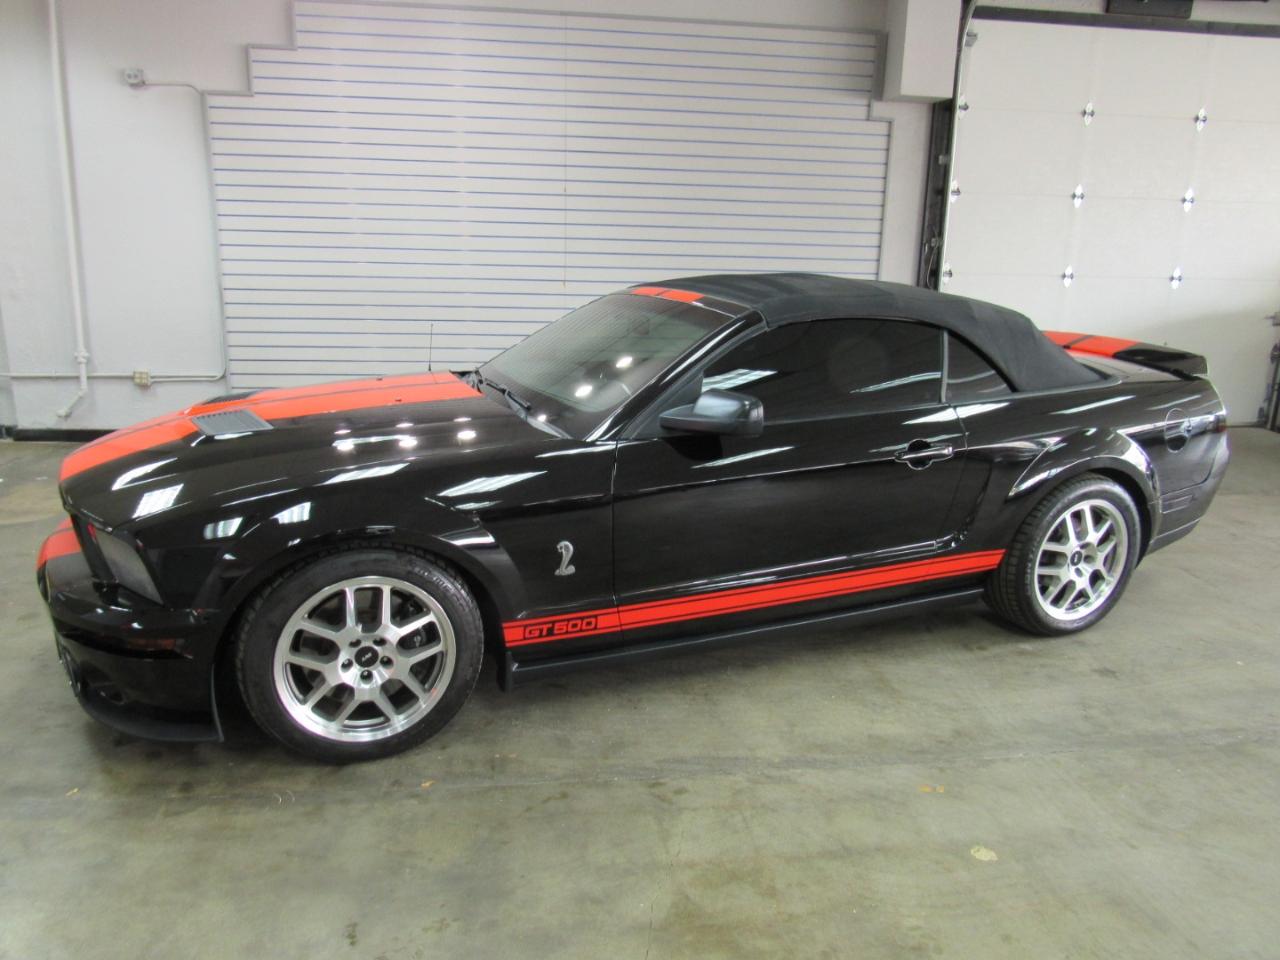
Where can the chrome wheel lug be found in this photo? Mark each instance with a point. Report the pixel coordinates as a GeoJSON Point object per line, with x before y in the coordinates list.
{"type": "Point", "coordinates": [346, 664]}
{"type": "Point", "coordinates": [379, 641]}
{"type": "Point", "coordinates": [354, 643]}
{"type": "Point", "coordinates": [366, 674]}
{"type": "Point", "coordinates": [386, 661]}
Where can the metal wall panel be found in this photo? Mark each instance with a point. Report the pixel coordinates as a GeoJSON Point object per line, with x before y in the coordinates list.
{"type": "Point", "coordinates": [415, 185]}
{"type": "Point", "coordinates": [1023, 146]}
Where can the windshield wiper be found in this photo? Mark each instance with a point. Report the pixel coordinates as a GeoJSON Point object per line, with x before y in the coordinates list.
{"type": "Point", "coordinates": [517, 403]}
{"type": "Point", "coordinates": [512, 398]}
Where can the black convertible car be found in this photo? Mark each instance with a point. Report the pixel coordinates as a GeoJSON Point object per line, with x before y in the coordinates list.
{"type": "Point", "coordinates": [705, 459]}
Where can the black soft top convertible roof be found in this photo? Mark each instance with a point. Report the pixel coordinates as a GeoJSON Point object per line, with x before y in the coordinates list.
{"type": "Point", "coordinates": [1028, 359]}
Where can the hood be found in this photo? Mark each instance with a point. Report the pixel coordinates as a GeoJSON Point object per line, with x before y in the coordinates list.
{"type": "Point", "coordinates": [254, 444]}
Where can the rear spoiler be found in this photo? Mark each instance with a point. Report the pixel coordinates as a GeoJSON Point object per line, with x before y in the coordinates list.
{"type": "Point", "coordinates": [1178, 362]}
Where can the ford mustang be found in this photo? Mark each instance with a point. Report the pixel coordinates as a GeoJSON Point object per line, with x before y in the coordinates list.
{"type": "Point", "coordinates": [690, 462]}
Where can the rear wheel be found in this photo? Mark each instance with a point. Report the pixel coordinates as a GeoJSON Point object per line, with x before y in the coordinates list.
{"type": "Point", "coordinates": [1071, 559]}
{"type": "Point", "coordinates": [359, 655]}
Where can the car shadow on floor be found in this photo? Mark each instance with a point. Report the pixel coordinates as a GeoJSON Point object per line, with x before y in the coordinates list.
{"type": "Point", "coordinates": [972, 629]}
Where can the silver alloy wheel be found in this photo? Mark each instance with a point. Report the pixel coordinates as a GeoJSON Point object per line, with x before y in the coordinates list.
{"type": "Point", "coordinates": [1081, 559]}
{"type": "Point", "coordinates": [364, 659]}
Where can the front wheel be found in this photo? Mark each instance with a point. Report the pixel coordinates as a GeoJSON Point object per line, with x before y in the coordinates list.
{"type": "Point", "coordinates": [1070, 560]}
{"type": "Point", "coordinates": [359, 655]}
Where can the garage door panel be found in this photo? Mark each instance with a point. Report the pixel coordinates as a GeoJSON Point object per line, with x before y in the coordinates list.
{"type": "Point", "coordinates": [1037, 296]}
{"type": "Point", "coordinates": [1118, 306]}
{"type": "Point", "coordinates": [1242, 85]}
{"type": "Point", "coordinates": [1143, 152]}
{"type": "Point", "coordinates": [231, 116]}
{"type": "Point", "coordinates": [641, 225]}
{"type": "Point", "coordinates": [291, 327]}
{"type": "Point", "coordinates": [1164, 75]}
{"type": "Point", "coordinates": [1007, 73]}
{"type": "Point", "coordinates": [1127, 237]}
{"type": "Point", "coordinates": [730, 96]}
{"type": "Point", "coordinates": [468, 175]}
{"type": "Point", "coordinates": [672, 51]}
{"type": "Point", "coordinates": [251, 114]}
{"type": "Point", "coordinates": [1237, 241]}
{"type": "Point", "coordinates": [990, 234]}
{"type": "Point", "coordinates": [1044, 156]}
{"type": "Point", "coordinates": [1240, 162]}
{"type": "Point", "coordinates": [1140, 156]}
{"type": "Point", "coordinates": [698, 171]}
{"type": "Point", "coordinates": [586, 29]}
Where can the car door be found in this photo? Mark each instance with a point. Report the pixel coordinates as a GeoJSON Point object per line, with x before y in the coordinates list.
{"type": "Point", "coordinates": [842, 496]}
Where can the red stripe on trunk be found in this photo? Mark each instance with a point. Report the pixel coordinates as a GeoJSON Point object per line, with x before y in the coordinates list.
{"type": "Point", "coordinates": [1087, 343]}
{"type": "Point", "coordinates": [1103, 346]}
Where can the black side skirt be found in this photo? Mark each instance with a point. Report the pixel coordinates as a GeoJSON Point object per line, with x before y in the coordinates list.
{"type": "Point", "coordinates": [513, 672]}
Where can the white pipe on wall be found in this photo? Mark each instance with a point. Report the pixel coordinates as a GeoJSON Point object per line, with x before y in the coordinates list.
{"type": "Point", "coordinates": [70, 209]}
{"type": "Point", "coordinates": [71, 228]}
{"type": "Point", "coordinates": [961, 45]}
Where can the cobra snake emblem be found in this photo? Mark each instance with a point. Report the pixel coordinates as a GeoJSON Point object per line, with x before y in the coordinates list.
{"type": "Point", "coordinates": [566, 554]}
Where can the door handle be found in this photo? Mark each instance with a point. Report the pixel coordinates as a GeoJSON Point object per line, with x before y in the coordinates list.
{"type": "Point", "coordinates": [919, 454]}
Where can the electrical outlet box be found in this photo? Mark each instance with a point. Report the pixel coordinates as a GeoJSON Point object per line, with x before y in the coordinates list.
{"type": "Point", "coordinates": [142, 378]}
{"type": "Point", "coordinates": [134, 76]}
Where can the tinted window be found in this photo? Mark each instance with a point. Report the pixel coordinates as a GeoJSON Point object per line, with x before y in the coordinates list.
{"type": "Point", "coordinates": [576, 371]}
{"type": "Point", "coordinates": [828, 368]}
{"type": "Point", "coordinates": [969, 376]}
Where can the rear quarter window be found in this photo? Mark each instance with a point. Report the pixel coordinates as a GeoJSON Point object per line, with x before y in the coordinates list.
{"type": "Point", "coordinates": [970, 378]}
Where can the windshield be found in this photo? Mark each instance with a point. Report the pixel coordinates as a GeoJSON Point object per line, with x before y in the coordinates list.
{"type": "Point", "coordinates": [576, 371]}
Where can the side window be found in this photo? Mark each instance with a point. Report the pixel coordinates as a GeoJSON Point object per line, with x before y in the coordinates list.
{"type": "Point", "coordinates": [832, 368]}
{"type": "Point", "coordinates": [969, 377]}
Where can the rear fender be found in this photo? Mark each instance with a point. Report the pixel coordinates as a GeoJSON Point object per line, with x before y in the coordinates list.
{"type": "Point", "coordinates": [1091, 449]}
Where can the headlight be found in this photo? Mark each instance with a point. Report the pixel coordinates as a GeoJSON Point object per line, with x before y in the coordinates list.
{"type": "Point", "coordinates": [127, 566]}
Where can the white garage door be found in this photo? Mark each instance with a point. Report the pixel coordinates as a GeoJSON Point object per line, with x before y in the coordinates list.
{"type": "Point", "coordinates": [415, 185]}
{"type": "Point", "coordinates": [1170, 144]}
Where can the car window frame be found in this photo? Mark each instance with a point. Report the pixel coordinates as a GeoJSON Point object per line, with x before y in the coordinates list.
{"type": "Point", "coordinates": [645, 425]}
{"type": "Point", "coordinates": [946, 369]}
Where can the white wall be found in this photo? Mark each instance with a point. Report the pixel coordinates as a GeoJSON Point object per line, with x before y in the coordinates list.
{"type": "Point", "coordinates": [147, 237]}
{"type": "Point", "coordinates": [141, 177]}
{"type": "Point", "coordinates": [140, 174]}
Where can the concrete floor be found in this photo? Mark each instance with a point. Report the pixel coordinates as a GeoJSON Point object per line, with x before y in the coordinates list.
{"type": "Point", "coordinates": [940, 787]}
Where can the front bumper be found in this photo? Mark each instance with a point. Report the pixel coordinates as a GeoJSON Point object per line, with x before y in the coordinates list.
{"type": "Point", "coordinates": [137, 667]}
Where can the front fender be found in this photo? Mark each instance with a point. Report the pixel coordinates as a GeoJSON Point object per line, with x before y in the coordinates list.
{"type": "Point", "coordinates": [320, 522]}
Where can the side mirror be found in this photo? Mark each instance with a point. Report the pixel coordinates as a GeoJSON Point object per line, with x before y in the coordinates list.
{"type": "Point", "coordinates": [718, 411]}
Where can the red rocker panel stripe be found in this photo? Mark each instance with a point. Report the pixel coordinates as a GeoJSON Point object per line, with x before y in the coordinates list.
{"type": "Point", "coordinates": [58, 544]}
{"type": "Point", "coordinates": [270, 405]}
{"type": "Point", "coordinates": [741, 599]}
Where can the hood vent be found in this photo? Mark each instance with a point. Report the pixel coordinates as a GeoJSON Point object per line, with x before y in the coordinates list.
{"type": "Point", "coordinates": [230, 422]}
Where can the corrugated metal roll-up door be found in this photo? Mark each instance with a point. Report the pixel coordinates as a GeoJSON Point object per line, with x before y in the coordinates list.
{"type": "Point", "coordinates": [414, 185]}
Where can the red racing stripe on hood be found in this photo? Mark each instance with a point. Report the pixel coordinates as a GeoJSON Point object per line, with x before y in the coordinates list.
{"type": "Point", "coordinates": [281, 404]}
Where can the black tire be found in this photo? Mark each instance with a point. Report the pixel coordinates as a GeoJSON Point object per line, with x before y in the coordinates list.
{"type": "Point", "coordinates": [273, 608]}
{"type": "Point", "coordinates": [1013, 590]}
